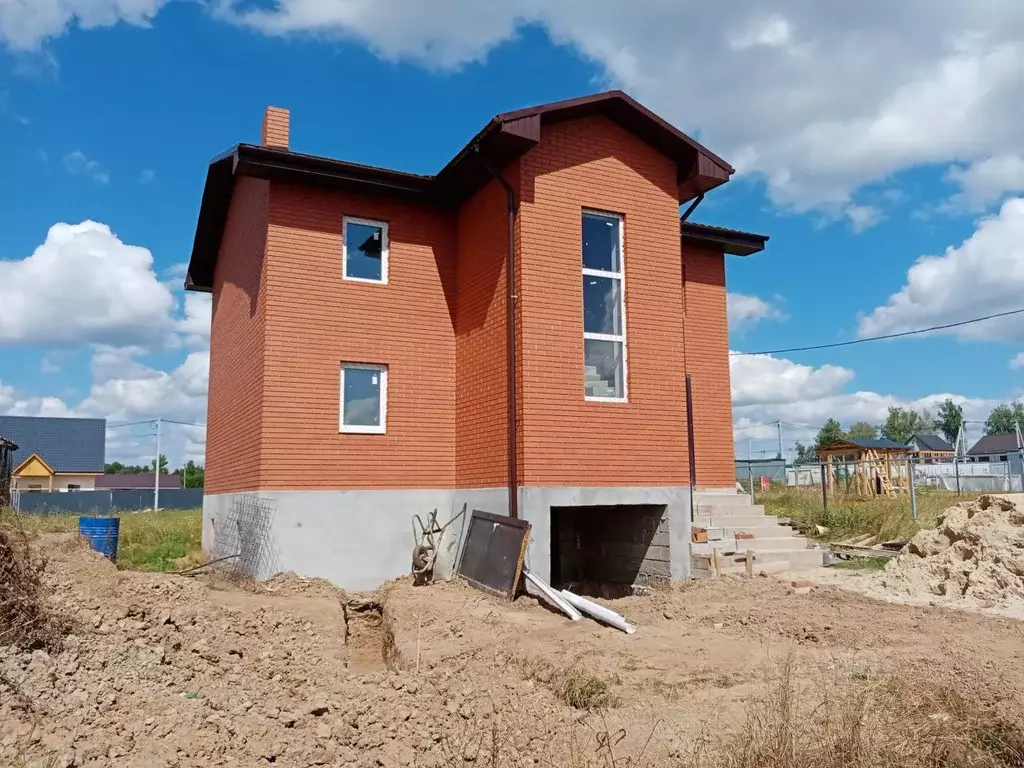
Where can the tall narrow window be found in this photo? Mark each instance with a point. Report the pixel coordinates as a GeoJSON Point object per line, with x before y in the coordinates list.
{"type": "Point", "coordinates": [365, 250]}
{"type": "Point", "coordinates": [604, 308]}
{"type": "Point", "coordinates": [364, 398]}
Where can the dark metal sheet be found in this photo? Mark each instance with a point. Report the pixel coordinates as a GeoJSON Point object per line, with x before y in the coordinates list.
{"type": "Point", "coordinates": [492, 556]}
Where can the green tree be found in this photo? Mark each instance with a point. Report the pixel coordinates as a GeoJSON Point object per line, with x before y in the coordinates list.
{"type": "Point", "coordinates": [113, 468]}
{"type": "Point", "coordinates": [949, 420]}
{"type": "Point", "coordinates": [863, 431]}
{"type": "Point", "coordinates": [830, 432]}
{"type": "Point", "coordinates": [1004, 418]}
{"type": "Point", "coordinates": [192, 475]}
{"type": "Point", "coordinates": [152, 465]}
{"type": "Point", "coordinates": [902, 423]}
{"type": "Point", "coordinates": [805, 454]}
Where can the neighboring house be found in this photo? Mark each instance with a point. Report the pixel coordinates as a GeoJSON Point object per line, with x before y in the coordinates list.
{"type": "Point", "coordinates": [137, 482]}
{"type": "Point", "coordinates": [55, 454]}
{"type": "Point", "coordinates": [994, 448]}
{"type": "Point", "coordinates": [367, 362]}
{"type": "Point", "coordinates": [931, 448]}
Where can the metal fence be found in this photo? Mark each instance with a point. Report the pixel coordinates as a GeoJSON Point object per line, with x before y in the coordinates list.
{"type": "Point", "coordinates": [105, 502]}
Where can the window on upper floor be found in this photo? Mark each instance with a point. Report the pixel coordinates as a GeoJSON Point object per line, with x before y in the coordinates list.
{"type": "Point", "coordinates": [604, 308]}
{"type": "Point", "coordinates": [364, 398]}
{"type": "Point", "coordinates": [364, 246]}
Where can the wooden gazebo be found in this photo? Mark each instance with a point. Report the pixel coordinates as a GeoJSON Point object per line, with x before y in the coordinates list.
{"type": "Point", "coordinates": [866, 468]}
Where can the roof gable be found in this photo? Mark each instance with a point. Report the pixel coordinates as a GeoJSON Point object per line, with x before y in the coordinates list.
{"type": "Point", "coordinates": [66, 445]}
{"type": "Point", "coordinates": [33, 466]}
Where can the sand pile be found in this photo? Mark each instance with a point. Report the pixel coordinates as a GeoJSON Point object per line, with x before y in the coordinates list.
{"type": "Point", "coordinates": [974, 556]}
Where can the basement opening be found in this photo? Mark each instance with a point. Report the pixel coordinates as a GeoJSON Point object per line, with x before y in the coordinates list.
{"type": "Point", "coordinates": [609, 551]}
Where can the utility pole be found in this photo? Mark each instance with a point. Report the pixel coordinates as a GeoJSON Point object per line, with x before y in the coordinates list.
{"type": "Point", "coordinates": [1020, 452]}
{"type": "Point", "coordinates": [750, 448]}
{"type": "Point", "coordinates": [778, 424]}
{"type": "Point", "coordinates": [156, 471]}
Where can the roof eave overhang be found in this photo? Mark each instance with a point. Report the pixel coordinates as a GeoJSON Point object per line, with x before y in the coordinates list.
{"type": "Point", "coordinates": [734, 243]}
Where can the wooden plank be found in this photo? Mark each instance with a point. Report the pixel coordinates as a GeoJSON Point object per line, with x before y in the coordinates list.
{"type": "Point", "coordinates": [492, 557]}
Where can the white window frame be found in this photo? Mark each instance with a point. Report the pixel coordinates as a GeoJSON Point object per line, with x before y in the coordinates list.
{"type": "Point", "coordinates": [384, 250]}
{"type": "Point", "coordinates": [621, 277]}
{"type": "Point", "coordinates": [364, 429]}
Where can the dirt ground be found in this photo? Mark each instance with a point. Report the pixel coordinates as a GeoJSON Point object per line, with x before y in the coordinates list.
{"type": "Point", "coordinates": [166, 670]}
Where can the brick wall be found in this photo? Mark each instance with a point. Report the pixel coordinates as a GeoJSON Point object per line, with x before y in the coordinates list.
{"type": "Point", "coordinates": [593, 163]}
{"type": "Point", "coordinates": [316, 321]}
{"type": "Point", "coordinates": [481, 397]}
{"type": "Point", "coordinates": [234, 408]}
{"type": "Point", "coordinates": [707, 355]}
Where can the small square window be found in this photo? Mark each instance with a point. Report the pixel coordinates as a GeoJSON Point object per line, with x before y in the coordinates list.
{"type": "Point", "coordinates": [73, 487]}
{"type": "Point", "coordinates": [1002, 458]}
{"type": "Point", "coordinates": [364, 250]}
{"type": "Point", "coordinates": [364, 398]}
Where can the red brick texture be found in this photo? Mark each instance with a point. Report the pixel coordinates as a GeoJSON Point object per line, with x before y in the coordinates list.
{"type": "Point", "coordinates": [235, 404]}
{"type": "Point", "coordinates": [276, 126]}
{"type": "Point", "coordinates": [284, 321]}
{"type": "Point", "coordinates": [593, 163]}
{"type": "Point", "coordinates": [316, 321]}
{"type": "Point", "coordinates": [481, 396]}
{"type": "Point", "coordinates": [707, 357]}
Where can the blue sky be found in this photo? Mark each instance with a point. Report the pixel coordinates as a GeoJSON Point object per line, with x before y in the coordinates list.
{"type": "Point", "coordinates": [855, 160]}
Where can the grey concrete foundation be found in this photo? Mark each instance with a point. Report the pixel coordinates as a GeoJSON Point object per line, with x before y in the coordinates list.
{"type": "Point", "coordinates": [360, 539]}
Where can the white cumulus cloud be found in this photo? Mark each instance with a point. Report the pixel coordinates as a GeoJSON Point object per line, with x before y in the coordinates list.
{"type": "Point", "coordinates": [747, 311]}
{"type": "Point", "coordinates": [26, 24]}
{"type": "Point", "coordinates": [982, 276]}
{"type": "Point", "coordinates": [83, 285]}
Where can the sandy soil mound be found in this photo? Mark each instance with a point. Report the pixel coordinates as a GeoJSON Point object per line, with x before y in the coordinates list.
{"type": "Point", "coordinates": [975, 555]}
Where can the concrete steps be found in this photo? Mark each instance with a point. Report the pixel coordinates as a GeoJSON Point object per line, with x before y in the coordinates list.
{"type": "Point", "coordinates": [776, 548]}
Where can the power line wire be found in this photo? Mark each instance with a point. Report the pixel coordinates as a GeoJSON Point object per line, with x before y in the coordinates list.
{"type": "Point", "coordinates": [899, 335]}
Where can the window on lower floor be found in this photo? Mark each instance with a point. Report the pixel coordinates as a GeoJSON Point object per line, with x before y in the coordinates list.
{"type": "Point", "coordinates": [364, 398]}
{"type": "Point", "coordinates": [1002, 458]}
{"type": "Point", "coordinates": [73, 487]}
{"type": "Point", "coordinates": [35, 488]}
{"type": "Point", "coordinates": [604, 308]}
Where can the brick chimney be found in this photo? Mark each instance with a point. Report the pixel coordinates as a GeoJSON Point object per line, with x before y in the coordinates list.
{"type": "Point", "coordinates": [275, 128]}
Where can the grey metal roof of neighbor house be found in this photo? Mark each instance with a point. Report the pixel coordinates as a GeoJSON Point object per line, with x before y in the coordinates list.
{"type": "Point", "coordinates": [932, 443]}
{"type": "Point", "coordinates": [136, 482]}
{"type": "Point", "coordinates": [67, 445]}
{"type": "Point", "coordinates": [994, 444]}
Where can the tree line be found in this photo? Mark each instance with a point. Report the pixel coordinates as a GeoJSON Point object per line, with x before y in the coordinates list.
{"type": "Point", "coordinates": [192, 475]}
{"type": "Point", "coordinates": [903, 423]}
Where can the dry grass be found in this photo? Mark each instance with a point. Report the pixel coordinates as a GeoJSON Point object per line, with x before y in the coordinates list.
{"type": "Point", "coordinates": [148, 541]}
{"type": "Point", "coordinates": [887, 517]}
{"type": "Point", "coordinates": [26, 621]}
{"type": "Point", "coordinates": [892, 722]}
{"type": "Point", "coordinates": [573, 685]}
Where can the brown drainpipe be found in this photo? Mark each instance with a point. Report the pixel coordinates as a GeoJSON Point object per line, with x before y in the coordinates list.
{"type": "Point", "coordinates": [692, 456]}
{"type": "Point", "coordinates": [510, 342]}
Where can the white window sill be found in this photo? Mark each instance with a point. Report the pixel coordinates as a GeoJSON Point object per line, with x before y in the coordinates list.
{"type": "Point", "coordinates": [355, 429]}
{"type": "Point", "coordinates": [591, 399]}
{"type": "Point", "coordinates": [366, 280]}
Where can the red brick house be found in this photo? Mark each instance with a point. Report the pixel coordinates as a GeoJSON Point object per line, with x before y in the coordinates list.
{"type": "Point", "coordinates": [367, 363]}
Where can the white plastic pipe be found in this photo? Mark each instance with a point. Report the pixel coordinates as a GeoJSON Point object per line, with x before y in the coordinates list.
{"type": "Point", "coordinates": [545, 591]}
{"type": "Point", "coordinates": [598, 612]}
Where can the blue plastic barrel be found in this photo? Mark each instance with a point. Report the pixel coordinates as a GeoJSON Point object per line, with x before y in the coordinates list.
{"type": "Point", "coordinates": [102, 534]}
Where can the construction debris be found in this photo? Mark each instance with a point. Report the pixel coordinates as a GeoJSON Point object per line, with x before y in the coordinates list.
{"type": "Point", "coordinates": [598, 612]}
{"type": "Point", "coordinates": [538, 587]}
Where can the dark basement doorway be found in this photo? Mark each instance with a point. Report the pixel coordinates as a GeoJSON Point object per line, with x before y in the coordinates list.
{"type": "Point", "coordinates": [609, 551]}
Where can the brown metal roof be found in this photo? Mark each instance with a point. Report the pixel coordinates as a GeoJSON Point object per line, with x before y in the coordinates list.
{"type": "Point", "coordinates": [732, 241]}
{"type": "Point", "coordinates": [994, 444]}
{"type": "Point", "coordinates": [506, 137]}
